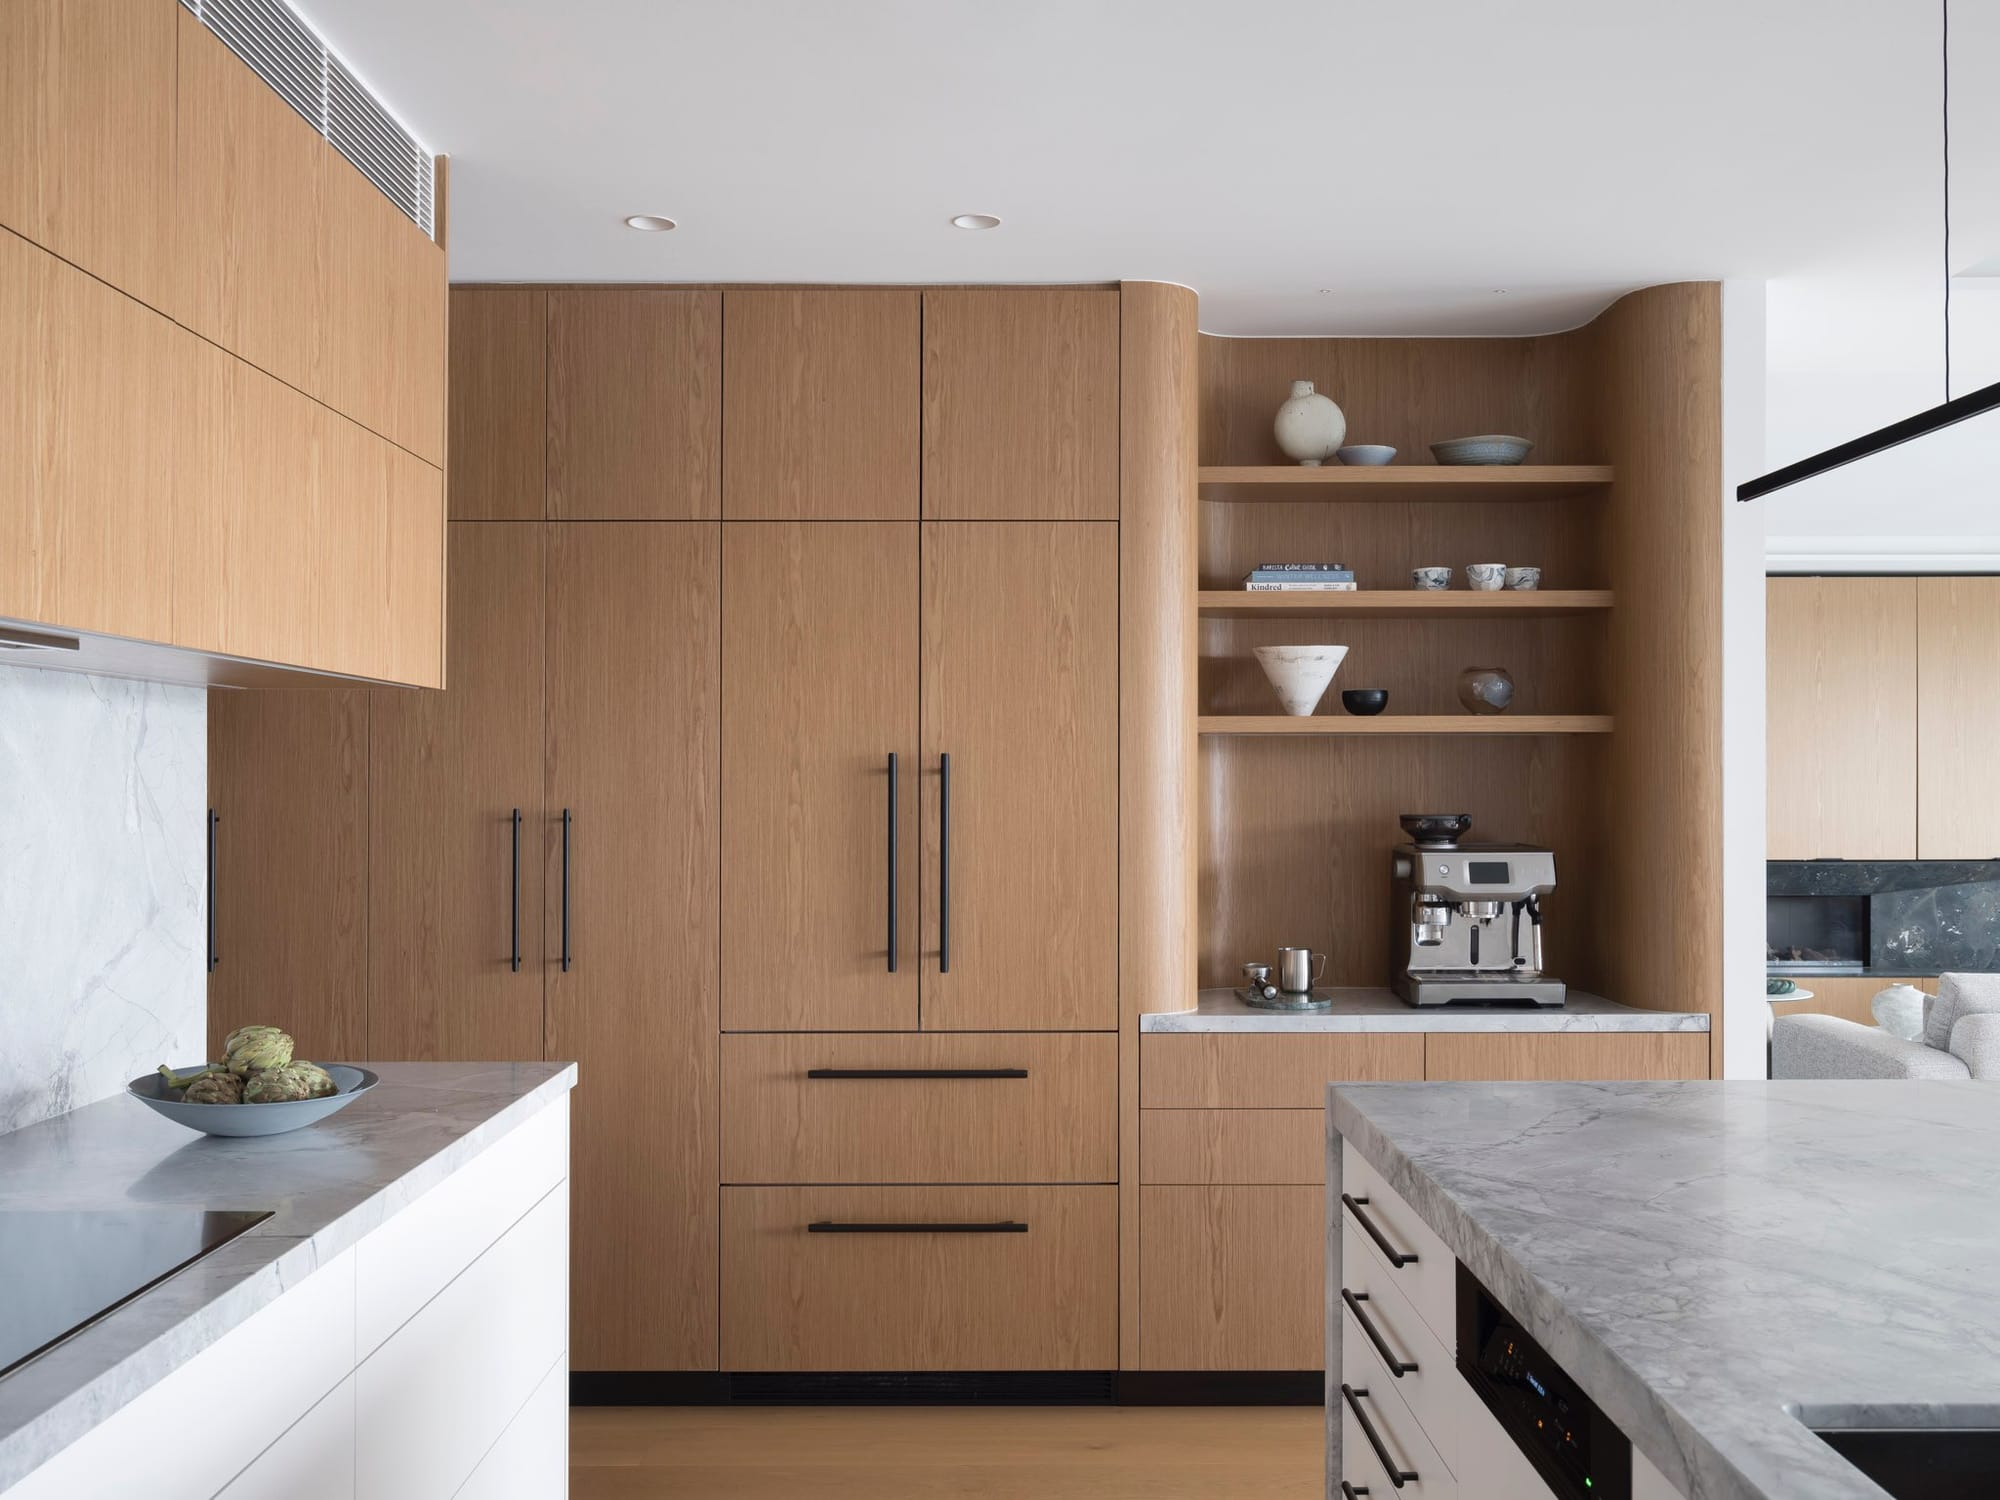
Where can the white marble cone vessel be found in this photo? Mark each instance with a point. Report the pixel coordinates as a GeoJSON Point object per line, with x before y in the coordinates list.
{"type": "Point", "coordinates": [1300, 674]}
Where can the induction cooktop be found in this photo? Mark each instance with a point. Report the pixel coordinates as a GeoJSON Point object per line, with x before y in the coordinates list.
{"type": "Point", "coordinates": [65, 1269]}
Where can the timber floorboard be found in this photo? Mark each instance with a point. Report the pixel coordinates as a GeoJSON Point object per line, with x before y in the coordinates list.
{"type": "Point", "coordinates": [978, 1453]}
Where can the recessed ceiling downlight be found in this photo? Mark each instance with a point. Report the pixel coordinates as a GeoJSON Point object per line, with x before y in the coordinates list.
{"type": "Point", "coordinates": [976, 221]}
{"type": "Point", "coordinates": [649, 223]}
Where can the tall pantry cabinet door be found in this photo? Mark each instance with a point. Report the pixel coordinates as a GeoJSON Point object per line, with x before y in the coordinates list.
{"type": "Point", "coordinates": [632, 762]}
{"type": "Point", "coordinates": [1958, 717]}
{"type": "Point", "coordinates": [1020, 736]}
{"type": "Point", "coordinates": [455, 884]}
{"type": "Point", "coordinates": [819, 654]}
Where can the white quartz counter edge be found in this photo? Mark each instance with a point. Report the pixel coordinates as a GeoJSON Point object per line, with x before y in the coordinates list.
{"type": "Point", "coordinates": [1362, 1009]}
{"type": "Point", "coordinates": [55, 1399]}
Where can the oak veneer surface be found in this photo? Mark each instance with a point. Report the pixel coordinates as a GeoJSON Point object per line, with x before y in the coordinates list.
{"type": "Point", "coordinates": [288, 778]}
{"type": "Point", "coordinates": [819, 687]}
{"type": "Point", "coordinates": [634, 405]}
{"type": "Point", "coordinates": [1021, 390]}
{"type": "Point", "coordinates": [415, 649]}
{"type": "Point", "coordinates": [499, 426]}
{"type": "Point", "coordinates": [447, 771]}
{"type": "Point", "coordinates": [1268, 1070]}
{"type": "Point", "coordinates": [1058, 1124]}
{"type": "Point", "coordinates": [821, 405]}
{"type": "Point", "coordinates": [1846, 997]}
{"type": "Point", "coordinates": [1232, 1278]}
{"type": "Point", "coordinates": [87, 164]}
{"type": "Point", "coordinates": [1958, 717]}
{"type": "Point", "coordinates": [1844, 685]}
{"type": "Point", "coordinates": [1020, 674]}
{"type": "Point", "coordinates": [1252, 1147]}
{"type": "Point", "coordinates": [632, 752]}
{"type": "Point", "coordinates": [1457, 1056]}
{"type": "Point", "coordinates": [1046, 1299]}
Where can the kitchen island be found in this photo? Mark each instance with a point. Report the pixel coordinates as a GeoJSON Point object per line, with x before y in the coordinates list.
{"type": "Point", "coordinates": [397, 1326]}
{"type": "Point", "coordinates": [1720, 1267]}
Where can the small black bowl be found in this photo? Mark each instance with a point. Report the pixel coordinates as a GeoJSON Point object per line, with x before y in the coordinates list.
{"type": "Point", "coordinates": [1367, 702]}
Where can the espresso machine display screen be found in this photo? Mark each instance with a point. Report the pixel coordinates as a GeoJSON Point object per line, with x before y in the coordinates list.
{"type": "Point", "coordinates": [1487, 872]}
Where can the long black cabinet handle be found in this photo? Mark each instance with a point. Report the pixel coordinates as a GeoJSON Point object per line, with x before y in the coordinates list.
{"type": "Point", "coordinates": [916, 1072]}
{"type": "Point", "coordinates": [1397, 1476]}
{"type": "Point", "coordinates": [1397, 1258]}
{"type": "Point", "coordinates": [1002, 1226]}
{"type": "Point", "coordinates": [214, 958]}
{"type": "Point", "coordinates": [944, 864]}
{"type": "Point", "coordinates": [892, 862]}
{"type": "Point", "coordinates": [514, 917]}
{"type": "Point", "coordinates": [565, 891]}
{"type": "Point", "coordinates": [1397, 1367]}
{"type": "Point", "coordinates": [1350, 1491]}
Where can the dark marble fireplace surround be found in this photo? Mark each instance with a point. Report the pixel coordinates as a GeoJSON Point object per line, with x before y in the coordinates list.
{"type": "Point", "coordinates": [1899, 917]}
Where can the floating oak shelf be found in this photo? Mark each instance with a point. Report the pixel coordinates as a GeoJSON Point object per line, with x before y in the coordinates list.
{"type": "Point", "coordinates": [1441, 604]}
{"type": "Point", "coordinates": [1406, 724]}
{"type": "Point", "coordinates": [1294, 482]}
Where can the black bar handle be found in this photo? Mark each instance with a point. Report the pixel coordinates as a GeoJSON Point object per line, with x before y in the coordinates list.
{"type": "Point", "coordinates": [1397, 1367]}
{"type": "Point", "coordinates": [944, 864]}
{"type": "Point", "coordinates": [1397, 1258]}
{"type": "Point", "coordinates": [916, 1072]}
{"type": "Point", "coordinates": [1349, 1491]}
{"type": "Point", "coordinates": [1397, 1476]}
{"type": "Point", "coordinates": [565, 891]}
{"type": "Point", "coordinates": [214, 958]}
{"type": "Point", "coordinates": [892, 862]}
{"type": "Point", "coordinates": [1002, 1226]}
{"type": "Point", "coordinates": [514, 918]}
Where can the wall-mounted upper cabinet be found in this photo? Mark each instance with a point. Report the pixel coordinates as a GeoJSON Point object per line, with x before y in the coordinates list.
{"type": "Point", "coordinates": [634, 405]}
{"type": "Point", "coordinates": [820, 418]}
{"type": "Point", "coordinates": [1021, 404]}
{"type": "Point", "coordinates": [499, 404]}
{"type": "Point", "coordinates": [1958, 717]}
{"type": "Point", "coordinates": [86, 135]}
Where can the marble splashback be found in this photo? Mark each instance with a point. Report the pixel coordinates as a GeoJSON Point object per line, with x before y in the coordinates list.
{"type": "Point", "coordinates": [103, 795]}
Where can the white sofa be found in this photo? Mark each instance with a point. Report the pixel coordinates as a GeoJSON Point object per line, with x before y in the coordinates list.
{"type": "Point", "coordinates": [1961, 1039]}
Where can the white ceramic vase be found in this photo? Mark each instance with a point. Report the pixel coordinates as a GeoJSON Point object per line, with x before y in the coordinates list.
{"type": "Point", "coordinates": [1899, 1010]}
{"type": "Point", "coordinates": [1300, 674]}
{"type": "Point", "coordinates": [1309, 428]}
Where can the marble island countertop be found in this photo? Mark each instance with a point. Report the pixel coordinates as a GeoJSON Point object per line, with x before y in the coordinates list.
{"type": "Point", "coordinates": [1365, 1008]}
{"type": "Point", "coordinates": [326, 1185]}
{"type": "Point", "coordinates": [1713, 1262]}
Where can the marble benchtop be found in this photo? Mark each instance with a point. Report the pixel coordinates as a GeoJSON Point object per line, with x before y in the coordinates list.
{"type": "Point", "coordinates": [1712, 1260]}
{"type": "Point", "coordinates": [1363, 1008]}
{"type": "Point", "coordinates": [327, 1185]}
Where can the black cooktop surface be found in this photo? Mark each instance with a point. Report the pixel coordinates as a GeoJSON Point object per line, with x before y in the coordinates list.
{"type": "Point", "coordinates": [61, 1270]}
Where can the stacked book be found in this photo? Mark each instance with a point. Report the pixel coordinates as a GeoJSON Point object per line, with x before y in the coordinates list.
{"type": "Point", "coordinates": [1299, 578]}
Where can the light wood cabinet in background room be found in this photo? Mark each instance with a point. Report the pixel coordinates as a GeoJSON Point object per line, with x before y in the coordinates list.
{"type": "Point", "coordinates": [1958, 717]}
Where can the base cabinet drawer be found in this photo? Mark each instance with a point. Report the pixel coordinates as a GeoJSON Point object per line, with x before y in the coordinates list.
{"type": "Point", "coordinates": [1231, 1278]}
{"type": "Point", "coordinates": [919, 1278]}
{"type": "Point", "coordinates": [1378, 1433]}
{"type": "Point", "coordinates": [1269, 1070]}
{"type": "Point", "coordinates": [1405, 1249]}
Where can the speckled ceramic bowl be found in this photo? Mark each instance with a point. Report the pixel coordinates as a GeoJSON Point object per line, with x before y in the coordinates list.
{"type": "Point", "coordinates": [1487, 448]}
{"type": "Point", "coordinates": [252, 1119]}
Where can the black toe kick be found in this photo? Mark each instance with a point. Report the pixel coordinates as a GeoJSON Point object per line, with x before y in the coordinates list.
{"type": "Point", "coordinates": [949, 1388]}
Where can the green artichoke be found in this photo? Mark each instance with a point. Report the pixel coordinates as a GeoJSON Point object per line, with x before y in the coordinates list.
{"type": "Point", "coordinates": [215, 1088]}
{"type": "Point", "coordinates": [169, 1079]}
{"type": "Point", "coordinates": [279, 1085]}
{"type": "Point", "coordinates": [256, 1049]}
{"type": "Point", "coordinates": [321, 1081]}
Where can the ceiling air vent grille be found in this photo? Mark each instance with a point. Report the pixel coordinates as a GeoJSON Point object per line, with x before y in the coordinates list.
{"type": "Point", "coordinates": [286, 53]}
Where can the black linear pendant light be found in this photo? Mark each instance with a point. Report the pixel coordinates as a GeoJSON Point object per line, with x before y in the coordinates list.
{"type": "Point", "coordinates": [1947, 414]}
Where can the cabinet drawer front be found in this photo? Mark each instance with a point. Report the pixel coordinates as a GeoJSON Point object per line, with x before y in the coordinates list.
{"type": "Point", "coordinates": [1242, 1146]}
{"type": "Point", "coordinates": [1434, 1389]}
{"type": "Point", "coordinates": [874, 1298]}
{"type": "Point", "coordinates": [785, 1125]}
{"type": "Point", "coordinates": [1430, 1280]}
{"type": "Point", "coordinates": [1409, 1446]}
{"type": "Point", "coordinates": [1269, 1070]}
{"type": "Point", "coordinates": [1232, 1278]}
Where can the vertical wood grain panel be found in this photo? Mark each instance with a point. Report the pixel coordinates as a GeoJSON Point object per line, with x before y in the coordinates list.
{"type": "Point", "coordinates": [632, 752]}
{"type": "Point", "coordinates": [1958, 717]}
{"type": "Point", "coordinates": [499, 403]}
{"type": "Point", "coordinates": [634, 405]}
{"type": "Point", "coordinates": [1269, 1069]}
{"type": "Point", "coordinates": [820, 408]}
{"type": "Point", "coordinates": [1232, 1278]}
{"type": "Point", "coordinates": [1848, 998]}
{"type": "Point", "coordinates": [415, 611]}
{"type": "Point", "coordinates": [1244, 1147]}
{"type": "Point", "coordinates": [1581, 1055]}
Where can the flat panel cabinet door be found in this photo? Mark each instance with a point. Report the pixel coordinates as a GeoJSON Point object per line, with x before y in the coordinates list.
{"type": "Point", "coordinates": [449, 769]}
{"type": "Point", "coordinates": [1020, 735]}
{"type": "Point", "coordinates": [819, 651]}
{"type": "Point", "coordinates": [1958, 718]}
{"type": "Point", "coordinates": [499, 426]}
{"type": "Point", "coordinates": [633, 752]}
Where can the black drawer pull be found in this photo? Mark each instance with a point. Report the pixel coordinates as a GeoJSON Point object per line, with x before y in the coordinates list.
{"type": "Point", "coordinates": [214, 957]}
{"type": "Point", "coordinates": [1349, 1491]}
{"type": "Point", "coordinates": [892, 861]}
{"type": "Point", "coordinates": [1398, 1477]}
{"type": "Point", "coordinates": [1397, 1258]}
{"type": "Point", "coordinates": [1003, 1226]}
{"type": "Point", "coordinates": [1397, 1367]}
{"type": "Point", "coordinates": [916, 1072]}
{"type": "Point", "coordinates": [514, 920]}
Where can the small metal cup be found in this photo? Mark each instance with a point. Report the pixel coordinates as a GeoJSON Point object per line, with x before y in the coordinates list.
{"type": "Point", "coordinates": [1297, 970]}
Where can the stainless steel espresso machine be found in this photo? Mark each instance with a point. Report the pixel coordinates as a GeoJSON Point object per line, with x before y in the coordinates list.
{"type": "Point", "coordinates": [1466, 919]}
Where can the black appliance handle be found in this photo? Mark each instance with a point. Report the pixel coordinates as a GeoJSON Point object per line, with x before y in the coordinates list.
{"type": "Point", "coordinates": [1349, 1491]}
{"type": "Point", "coordinates": [514, 909]}
{"type": "Point", "coordinates": [1397, 1476]}
{"type": "Point", "coordinates": [1397, 1367]}
{"type": "Point", "coordinates": [892, 861]}
{"type": "Point", "coordinates": [944, 864]}
{"type": "Point", "coordinates": [214, 958]}
{"type": "Point", "coordinates": [916, 1072]}
{"type": "Point", "coordinates": [1397, 1258]}
{"type": "Point", "coordinates": [1002, 1226]}
{"type": "Point", "coordinates": [565, 891]}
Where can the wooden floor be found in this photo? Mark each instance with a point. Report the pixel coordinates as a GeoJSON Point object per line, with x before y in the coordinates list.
{"type": "Point", "coordinates": [899, 1453]}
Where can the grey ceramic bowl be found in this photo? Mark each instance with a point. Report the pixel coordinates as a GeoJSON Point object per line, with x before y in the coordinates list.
{"type": "Point", "coordinates": [252, 1119]}
{"type": "Point", "coordinates": [1487, 448]}
{"type": "Point", "coordinates": [1366, 455]}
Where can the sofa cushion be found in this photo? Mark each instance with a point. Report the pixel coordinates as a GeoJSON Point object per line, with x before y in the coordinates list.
{"type": "Point", "coordinates": [1959, 995]}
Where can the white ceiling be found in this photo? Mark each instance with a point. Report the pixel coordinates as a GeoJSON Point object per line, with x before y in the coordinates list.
{"type": "Point", "coordinates": [1330, 167]}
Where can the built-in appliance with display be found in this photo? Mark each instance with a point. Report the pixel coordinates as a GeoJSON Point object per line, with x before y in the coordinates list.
{"type": "Point", "coordinates": [1467, 918]}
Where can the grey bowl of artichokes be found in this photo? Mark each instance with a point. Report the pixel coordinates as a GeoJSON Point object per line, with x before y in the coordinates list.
{"type": "Point", "coordinates": [257, 1087]}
